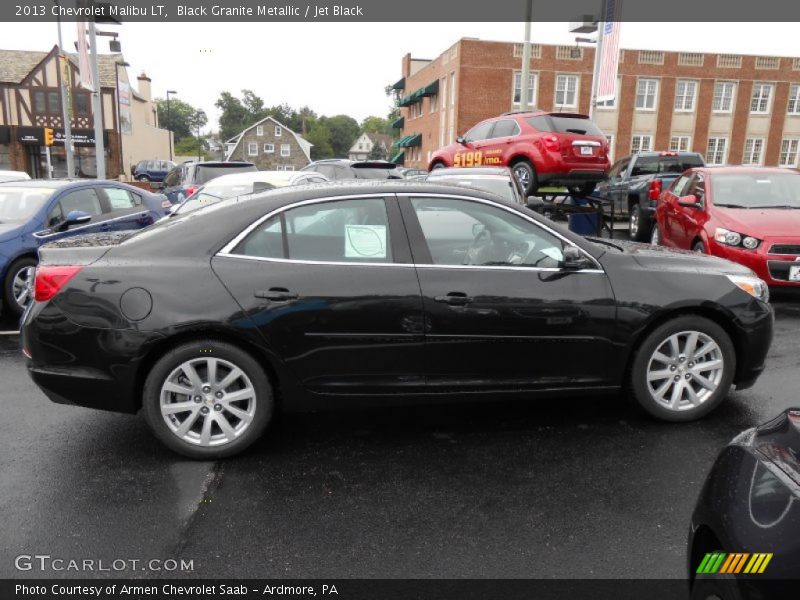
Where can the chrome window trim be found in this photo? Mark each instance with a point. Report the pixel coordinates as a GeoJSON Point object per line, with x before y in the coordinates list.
{"type": "Point", "coordinates": [39, 235]}
{"type": "Point", "coordinates": [227, 249]}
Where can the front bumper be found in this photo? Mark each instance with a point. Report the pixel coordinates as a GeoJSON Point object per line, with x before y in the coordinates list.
{"type": "Point", "coordinates": [772, 267]}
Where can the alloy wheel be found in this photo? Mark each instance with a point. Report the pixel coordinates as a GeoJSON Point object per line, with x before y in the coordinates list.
{"type": "Point", "coordinates": [22, 286]}
{"type": "Point", "coordinates": [685, 370]}
{"type": "Point", "coordinates": [207, 401]}
{"type": "Point", "coordinates": [633, 225]}
{"type": "Point", "coordinates": [523, 176]}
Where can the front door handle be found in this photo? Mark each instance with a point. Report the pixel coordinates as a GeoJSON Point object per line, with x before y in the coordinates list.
{"type": "Point", "coordinates": [276, 294]}
{"type": "Point", "coordinates": [454, 299]}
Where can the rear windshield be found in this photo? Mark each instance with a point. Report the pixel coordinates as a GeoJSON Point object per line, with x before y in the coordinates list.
{"type": "Point", "coordinates": [209, 172]}
{"type": "Point", "coordinates": [366, 173]}
{"type": "Point", "coordinates": [653, 165]}
{"type": "Point", "coordinates": [556, 124]}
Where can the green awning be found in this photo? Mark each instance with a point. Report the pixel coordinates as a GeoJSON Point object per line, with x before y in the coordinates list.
{"type": "Point", "coordinates": [398, 124]}
{"type": "Point", "coordinates": [399, 158]}
{"type": "Point", "coordinates": [406, 101]}
{"type": "Point", "coordinates": [431, 89]}
{"type": "Point", "coordinates": [400, 143]}
{"type": "Point", "coordinates": [400, 84]}
{"type": "Point", "coordinates": [412, 140]}
{"type": "Point", "coordinates": [417, 96]}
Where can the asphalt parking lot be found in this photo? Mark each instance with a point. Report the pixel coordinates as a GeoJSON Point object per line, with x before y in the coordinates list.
{"type": "Point", "coordinates": [576, 488]}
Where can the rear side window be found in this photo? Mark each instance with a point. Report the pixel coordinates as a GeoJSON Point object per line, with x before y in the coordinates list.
{"type": "Point", "coordinates": [505, 128]}
{"type": "Point", "coordinates": [340, 231]}
{"type": "Point", "coordinates": [653, 165]}
{"type": "Point", "coordinates": [556, 124]}
{"type": "Point", "coordinates": [119, 199]}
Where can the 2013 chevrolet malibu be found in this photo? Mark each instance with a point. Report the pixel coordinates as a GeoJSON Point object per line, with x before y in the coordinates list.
{"type": "Point", "coordinates": [384, 291]}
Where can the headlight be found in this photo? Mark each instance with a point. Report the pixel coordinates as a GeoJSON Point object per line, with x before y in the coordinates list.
{"type": "Point", "coordinates": [752, 285]}
{"type": "Point", "coordinates": [733, 238]}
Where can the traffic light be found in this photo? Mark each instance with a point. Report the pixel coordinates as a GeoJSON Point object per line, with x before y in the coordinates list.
{"type": "Point", "coordinates": [48, 136]}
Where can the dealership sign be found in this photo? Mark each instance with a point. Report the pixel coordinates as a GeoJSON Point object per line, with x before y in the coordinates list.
{"type": "Point", "coordinates": [34, 136]}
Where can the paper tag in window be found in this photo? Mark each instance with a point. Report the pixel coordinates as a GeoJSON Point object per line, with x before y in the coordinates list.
{"type": "Point", "coordinates": [365, 241]}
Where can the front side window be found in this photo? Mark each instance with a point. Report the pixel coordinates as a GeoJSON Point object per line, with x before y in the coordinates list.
{"type": "Point", "coordinates": [646, 90]}
{"type": "Point", "coordinates": [85, 200]}
{"type": "Point", "coordinates": [347, 231]}
{"type": "Point", "coordinates": [479, 132]}
{"type": "Point", "coordinates": [463, 232]}
{"type": "Point", "coordinates": [566, 91]}
{"type": "Point", "coordinates": [680, 184]}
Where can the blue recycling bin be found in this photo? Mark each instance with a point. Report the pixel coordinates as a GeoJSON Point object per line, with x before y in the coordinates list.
{"type": "Point", "coordinates": [583, 223]}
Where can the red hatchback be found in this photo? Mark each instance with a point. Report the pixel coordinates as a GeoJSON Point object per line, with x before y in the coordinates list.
{"type": "Point", "coordinates": [542, 148]}
{"type": "Point", "coordinates": [748, 215]}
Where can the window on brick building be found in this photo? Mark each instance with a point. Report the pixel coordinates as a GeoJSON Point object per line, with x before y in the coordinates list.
{"type": "Point", "coordinates": [759, 101]}
{"type": "Point", "coordinates": [723, 96]}
{"type": "Point", "coordinates": [789, 151]}
{"type": "Point", "coordinates": [641, 143]}
{"type": "Point", "coordinates": [278, 131]}
{"type": "Point", "coordinates": [794, 100]}
{"type": "Point", "coordinates": [679, 143]}
{"type": "Point", "coordinates": [516, 97]}
{"type": "Point", "coordinates": [685, 94]}
{"type": "Point", "coordinates": [646, 90]}
{"type": "Point", "coordinates": [753, 149]}
{"type": "Point", "coordinates": [566, 91]}
{"type": "Point", "coordinates": [717, 151]}
{"type": "Point", "coordinates": [610, 104]}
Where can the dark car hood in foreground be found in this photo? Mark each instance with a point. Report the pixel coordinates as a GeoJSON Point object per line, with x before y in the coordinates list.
{"type": "Point", "coordinates": [667, 259]}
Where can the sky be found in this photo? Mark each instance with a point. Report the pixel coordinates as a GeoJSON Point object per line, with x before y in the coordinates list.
{"type": "Point", "coordinates": [342, 68]}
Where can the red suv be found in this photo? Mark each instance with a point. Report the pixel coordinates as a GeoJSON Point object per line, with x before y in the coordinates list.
{"type": "Point", "coordinates": [542, 148]}
{"type": "Point", "coordinates": [745, 214]}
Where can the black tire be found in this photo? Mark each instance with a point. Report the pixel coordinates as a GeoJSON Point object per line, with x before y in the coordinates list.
{"type": "Point", "coordinates": [638, 224]}
{"type": "Point", "coordinates": [699, 247]}
{"type": "Point", "coordinates": [143, 179]}
{"type": "Point", "coordinates": [639, 369]}
{"type": "Point", "coordinates": [581, 191]}
{"type": "Point", "coordinates": [524, 171]}
{"type": "Point", "coordinates": [9, 300]}
{"type": "Point", "coordinates": [655, 235]}
{"type": "Point", "coordinates": [716, 587]}
{"type": "Point", "coordinates": [203, 349]}
{"type": "Point", "coordinates": [437, 165]}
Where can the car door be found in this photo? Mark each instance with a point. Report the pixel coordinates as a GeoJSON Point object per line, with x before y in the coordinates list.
{"type": "Point", "coordinates": [331, 287]}
{"type": "Point", "coordinates": [85, 199]}
{"type": "Point", "coordinates": [500, 312]}
{"type": "Point", "coordinates": [497, 150]}
{"type": "Point", "coordinates": [470, 152]}
{"type": "Point", "coordinates": [688, 219]}
{"type": "Point", "coordinates": [124, 209]}
{"type": "Point", "coordinates": [614, 188]}
{"type": "Point", "coordinates": [667, 209]}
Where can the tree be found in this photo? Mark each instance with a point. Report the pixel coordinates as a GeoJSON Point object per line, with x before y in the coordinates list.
{"type": "Point", "coordinates": [190, 146]}
{"type": "Point", "coordinates": [374, 124]}
{"type": "Point", "coordinates": [378, 152]}
{"type": "Point", "coordinates": [344, 131]}
{"type": "Point", "coordinates": [177, 121]}
{"type": "Point", "coordinates": [320, 136]}
{"type": "Point", "coordinates": [234, 118]}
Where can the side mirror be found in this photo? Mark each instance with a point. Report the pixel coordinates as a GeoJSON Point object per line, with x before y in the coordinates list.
{"type": "Point", "coordinates": [461, 140]}
{"type": "Point", "coordinates": [575, 260]}
{"type": "Point", "coordinates": [75, 217]}
{"type": "Point", "coordinates": [689, 201]}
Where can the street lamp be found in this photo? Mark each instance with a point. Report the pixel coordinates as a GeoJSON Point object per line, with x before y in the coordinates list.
{"type": "Point", "coordinates": [169, 123]}
{"type": "Point", "coordinates": [117, 65]}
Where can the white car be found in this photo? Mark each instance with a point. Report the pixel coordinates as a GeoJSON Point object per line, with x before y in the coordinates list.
{"type": "Point", "coordinates": [240, 184]}
{"type": "Point", "coordinates": [13, 176]}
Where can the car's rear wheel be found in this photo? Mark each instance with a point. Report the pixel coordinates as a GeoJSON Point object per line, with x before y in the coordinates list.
{"type": "Point", "coordinates": [526, 175]}
{"type": "Point", "coordinates": [637, 224]}
{"type": "Point", "coordinates": [207, 400]}
{"type": "Point", "coordinates": [438, 165]}
{"type": "Point", "coordinates": [18, 285]}
{"type": "Point", "coordinates": [684, 369]}
{"type": "Point", "coordinates": [143, 178]}
{"type": "Point", "coordinates": [655, 235]}
{"type": "Point", "coordinates": [581, 191]}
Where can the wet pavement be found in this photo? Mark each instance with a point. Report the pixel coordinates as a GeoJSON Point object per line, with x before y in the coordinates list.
{"type": "Point", "coordinates": [583, 487]}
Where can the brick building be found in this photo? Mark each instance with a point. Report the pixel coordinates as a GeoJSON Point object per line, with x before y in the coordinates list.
{"type": "Point", "coordinates": [733, 109]}
{"type": "Point", "coordinates": [271, 146]}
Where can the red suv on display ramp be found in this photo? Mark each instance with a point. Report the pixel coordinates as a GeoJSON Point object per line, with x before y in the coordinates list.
{"type": "Point", "coordinates": [542, 148]}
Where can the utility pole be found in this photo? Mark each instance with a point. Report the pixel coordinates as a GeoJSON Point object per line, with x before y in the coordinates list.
{"type": "Point", "coordinates": [598, 50]}
{"type": "Point", "coordinates": [66, 103]}
{"type": "Point", "coordinates": [525, 77]}
{"type": "Point", "coordinates": [97, 106]}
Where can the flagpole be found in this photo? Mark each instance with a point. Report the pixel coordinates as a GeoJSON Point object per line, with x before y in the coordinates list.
{"type": "Point", "coordinates": [63, 65]}
{"type": "Point", "coordinates": [598, 51]}
{"type": "Point", "coordinates": [99, 145]}
{"type": "Point", "coordinates": [525, 76]}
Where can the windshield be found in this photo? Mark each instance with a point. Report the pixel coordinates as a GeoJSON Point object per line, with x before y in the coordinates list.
{"type": "Point", "coordinates": [206, 173]}
{"type": "Point", "coordinates": [499, 186]}
{"type": "Point", "coordinates": [756, 190]}
{"type": "Point", "coordinates": [211, 193]}
{"type": "Point", "coordinates": [21, 203]}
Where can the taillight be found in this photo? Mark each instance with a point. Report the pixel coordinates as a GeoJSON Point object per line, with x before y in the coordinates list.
{"type": "Point", "coordinates": [50, 280]}
{"type": "Point", "coordinates": [550, 142]}
{"type": "Point", "coordinates": [191, 189]}
{"type": "Point", "coordinates": [655, 189]}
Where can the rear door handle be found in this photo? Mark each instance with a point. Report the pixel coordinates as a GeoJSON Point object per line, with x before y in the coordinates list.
{"type": "Point", "coordinates": [276, 294]}
{"type": "Point", "coordinates": [454, 299]}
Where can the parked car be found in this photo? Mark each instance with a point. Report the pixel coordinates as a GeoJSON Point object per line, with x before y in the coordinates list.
{"type": "Point", "coordinates": [337, 169]}
{"type": "Point", "coordinates": [635, 182]}
{"type": "Point", "coordinates": [744, 530]}
{"type": "Point", "coordinates": [152, 170]}
{"type": "Point", "coordinates": [13, 176]}
{"type": "Point", "coordinates": [390, 291]}
{"type": "Point", "coordinates": [500, 181]}
{"type": "Point", "coordinates": [749, 215]}
{"type": "Point", "coordinates": [411, 172]}
{"type": "Point", "coordinates": [35, 212]}
{"type": "Point", "coordinates": [185, 179]}
{"type": "Point", "coordinates": [542, 148]}
{"type": "Point", "coordinates": [241, 184]}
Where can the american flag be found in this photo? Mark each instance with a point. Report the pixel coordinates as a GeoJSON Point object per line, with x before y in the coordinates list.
{"type": "Point", "coordinates": [609, 52]}
{"type": "Point", "coordinates": [84, 68]}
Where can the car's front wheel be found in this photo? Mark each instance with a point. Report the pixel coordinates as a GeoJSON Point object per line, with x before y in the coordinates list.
{"type": "Point", "coordinates": [18, 285]}
{"type": "Point", "coordinates": [207, 400]}
{"type": "Point", "coordinates": [683, 369]}
{"type": "Point", "coordinates": [523, 171]}
{"type": "Point", "coordinates": [143, 178]}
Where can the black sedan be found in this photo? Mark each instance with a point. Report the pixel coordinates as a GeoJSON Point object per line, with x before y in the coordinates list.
{"type": "Point", "coordinates": [743, 542]}
{"type": "Point", "coordinates": [384, 291]}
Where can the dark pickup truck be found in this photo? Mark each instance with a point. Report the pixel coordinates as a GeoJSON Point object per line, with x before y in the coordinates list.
{"type": "Point", "coordinates": [635, 182]}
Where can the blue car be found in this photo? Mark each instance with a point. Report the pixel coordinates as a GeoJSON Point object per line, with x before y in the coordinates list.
{"type": "Point", "coordinates": [152, 170]}
{"type": "Point", "coordinates": [35, 212]}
